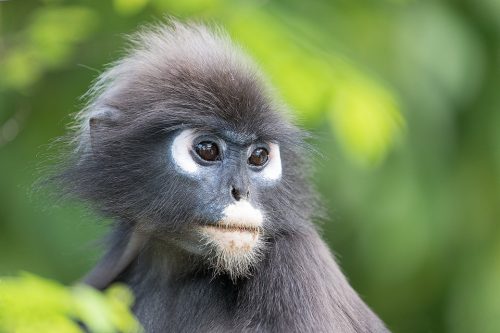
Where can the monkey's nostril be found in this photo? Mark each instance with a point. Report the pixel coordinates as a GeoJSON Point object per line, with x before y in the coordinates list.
{"type": "Point", "coordinates": [238, 194]}
{"type": "Point", "coordinates": [235, 193]}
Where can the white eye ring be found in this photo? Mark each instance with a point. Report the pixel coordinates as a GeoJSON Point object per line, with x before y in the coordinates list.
{"type": "Point", "coordinates": [272, 170]}
{"type": "Point", "coordinates": [181, 156]}
{"type": "Point", "coordinates": [181, 147]}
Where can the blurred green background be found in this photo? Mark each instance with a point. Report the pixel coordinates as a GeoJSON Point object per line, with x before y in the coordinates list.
{"type": "Point", "coordinates": [402, 97]}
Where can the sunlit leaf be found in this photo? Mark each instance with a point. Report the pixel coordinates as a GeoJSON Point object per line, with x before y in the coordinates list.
{"type": "Point", "coordinates": [364, 114]}
{"type": "Point", "coordinates": [302, 79]}
{"type": "Point", "coordinates": [91, 307]}
{"type": "Point", "coordinates": [20, 68]}
{"type": "Point", "coordinates": [47, 42]}
{"type": "Point", "coordinates": [366, 118]}
{"type": "Point", "coordinates": [30, 304]}
{"type": "Point", "coordinates": [54, 31]}
{"type": "Point", "coordinates": [120, 299]}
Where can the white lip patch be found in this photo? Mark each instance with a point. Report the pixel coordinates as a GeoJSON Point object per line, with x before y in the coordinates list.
{"type": "Point", "coordinates": [181, 147]}
{"type": "Point", "coordinates": [242, 213]}
{"type": "Point", "coordinates": [235, 240]}
{"type": "Point", "coordinates": [239, 228]}
{"type": "Point", "coordinates": [272, 171]}
{"type": "Point", "coordinates": [232, 240]}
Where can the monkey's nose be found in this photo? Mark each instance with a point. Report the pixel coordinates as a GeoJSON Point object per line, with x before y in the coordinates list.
{"type": "Point", "coordinates": [239, 194]}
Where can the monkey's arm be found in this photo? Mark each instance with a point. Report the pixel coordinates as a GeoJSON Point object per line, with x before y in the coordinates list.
{"type": "Point", "coordinates": [119, 256]}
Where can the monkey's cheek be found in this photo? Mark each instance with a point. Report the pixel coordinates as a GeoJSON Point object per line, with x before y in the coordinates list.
{"type": "Point", "coordinates": [231, 240]}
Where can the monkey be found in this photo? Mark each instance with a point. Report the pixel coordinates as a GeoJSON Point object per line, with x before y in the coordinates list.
{"type": "Point", "coordinates": [207, 180]}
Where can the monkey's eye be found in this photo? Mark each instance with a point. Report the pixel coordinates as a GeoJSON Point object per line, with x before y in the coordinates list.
{"type": "Point", "coordinates": [207, 150]}
{"type": "Point", "coordinates": [258, 157]}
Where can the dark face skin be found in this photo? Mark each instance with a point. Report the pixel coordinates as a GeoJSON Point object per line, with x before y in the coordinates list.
{"type": "Point", "coordinates": [227, 175]}
{"type": "Point", "coordinates": [222, 170]}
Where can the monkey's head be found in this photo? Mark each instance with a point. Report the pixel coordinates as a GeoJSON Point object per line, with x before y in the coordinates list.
{"type": "Point", "coordinates": [183, 141]}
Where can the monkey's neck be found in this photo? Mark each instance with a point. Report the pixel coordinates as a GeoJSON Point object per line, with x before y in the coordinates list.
{"type": "Point", "coordinates": [168, 261]}
{"type": "Point", "coordinates": [296, 287]}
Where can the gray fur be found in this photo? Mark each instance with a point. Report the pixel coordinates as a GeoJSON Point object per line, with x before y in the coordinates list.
{"type": "Point", "coordinates": [180, 76]}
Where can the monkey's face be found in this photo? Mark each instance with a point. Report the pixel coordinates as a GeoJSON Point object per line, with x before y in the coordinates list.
{"type": "Point", "coordinates": [229, 174]}
{"type": "Point", "coordinates": [184, 142]}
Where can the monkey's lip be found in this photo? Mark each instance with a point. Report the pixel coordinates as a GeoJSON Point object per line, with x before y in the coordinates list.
{"type": "Point", "coordinates": [232, 228]}
{"type": "Point", "coordinates": [231, 239]}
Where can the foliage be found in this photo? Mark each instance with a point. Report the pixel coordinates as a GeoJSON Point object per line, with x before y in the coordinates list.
{"type": "Point", "coordinates": [364, 113]}
{"type": "Point", "coordinates": [45, 43]}
{"type": "Point", "coordinates": [402, 97]}
{"type": "Point", "coordinates": [31, 304]}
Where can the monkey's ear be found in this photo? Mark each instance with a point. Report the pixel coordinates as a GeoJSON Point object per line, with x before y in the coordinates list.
{"type": "Point", "coordinates": [100, 122]}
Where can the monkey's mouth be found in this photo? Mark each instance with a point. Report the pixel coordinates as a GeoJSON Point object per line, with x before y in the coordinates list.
{"type": "Point", "coordinates": [233, 228]}
{"type": "Point", "coordinates": [237, 233]}
{"type": "Point", "coordinates": [232, 238]}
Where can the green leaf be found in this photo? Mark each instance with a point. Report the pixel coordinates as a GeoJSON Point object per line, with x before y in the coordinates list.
{"type": "Point", "coordinates": [48, 41]}
{"type": "Point", "coordinates": [366, 118]}
{"type": "Point", "coordinates": [54, 31]}
{"type": "Point", "coordinates": [364, 114]}
{"type": "Point", "coordinates": [31, 304]}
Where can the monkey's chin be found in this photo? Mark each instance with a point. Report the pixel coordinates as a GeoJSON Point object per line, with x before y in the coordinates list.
{"type": "Point", "coordinates": [232, 249]}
